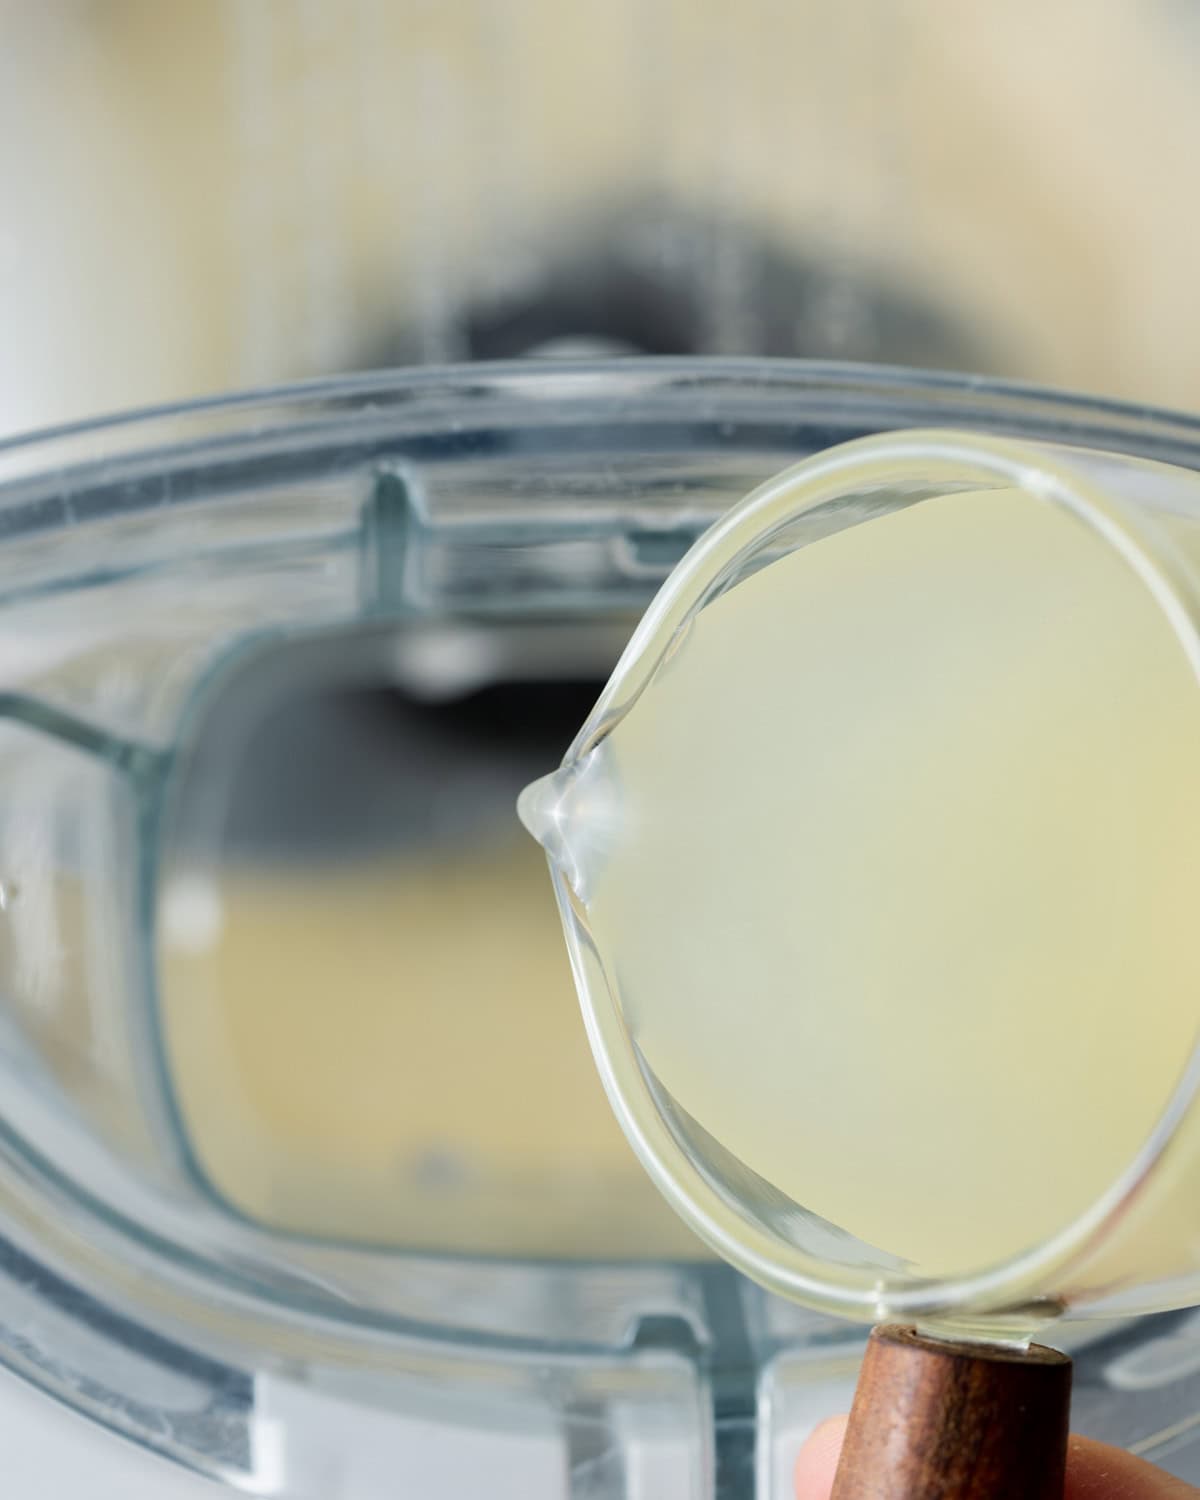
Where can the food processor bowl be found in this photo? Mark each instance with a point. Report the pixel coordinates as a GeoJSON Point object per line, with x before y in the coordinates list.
{"type": "Point", "coordinates": [306, 1182]}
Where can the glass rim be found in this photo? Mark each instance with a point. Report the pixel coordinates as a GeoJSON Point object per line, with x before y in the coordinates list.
{"type": "Point", "coordinates": [947, 458]}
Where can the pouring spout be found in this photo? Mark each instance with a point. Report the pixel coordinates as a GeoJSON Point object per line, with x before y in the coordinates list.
{"type": "Point", "coordinates": [539, 807]}
{"type": "Point", "coordinates": [573, 813]}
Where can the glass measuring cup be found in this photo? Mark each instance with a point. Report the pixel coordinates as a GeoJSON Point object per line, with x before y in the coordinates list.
{"type": "Point", "coordinates": [953, 602]}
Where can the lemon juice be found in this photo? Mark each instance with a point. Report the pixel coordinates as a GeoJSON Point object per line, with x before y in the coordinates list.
{"type": "Point", "coordinates": [891, 865]}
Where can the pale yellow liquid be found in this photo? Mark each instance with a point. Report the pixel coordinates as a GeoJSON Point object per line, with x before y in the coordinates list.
{"type": "Point", "coordinates": [389, 1052]}
{"type": "Point", "coordinates": [895, 864]}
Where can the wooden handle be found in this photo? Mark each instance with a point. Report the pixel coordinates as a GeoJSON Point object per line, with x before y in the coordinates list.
{"type": "Point", "coordinates": [935, 1420]}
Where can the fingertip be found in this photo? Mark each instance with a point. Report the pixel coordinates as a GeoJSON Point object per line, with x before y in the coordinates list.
{"type": "Point", "coordinates": [1096, 1471]}
{"type": "Point", "coordinates": [817, 1461]}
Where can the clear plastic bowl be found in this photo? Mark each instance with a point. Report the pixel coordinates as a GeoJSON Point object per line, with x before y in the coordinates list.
{"type": "Point", "coordinates": [194, 602]}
